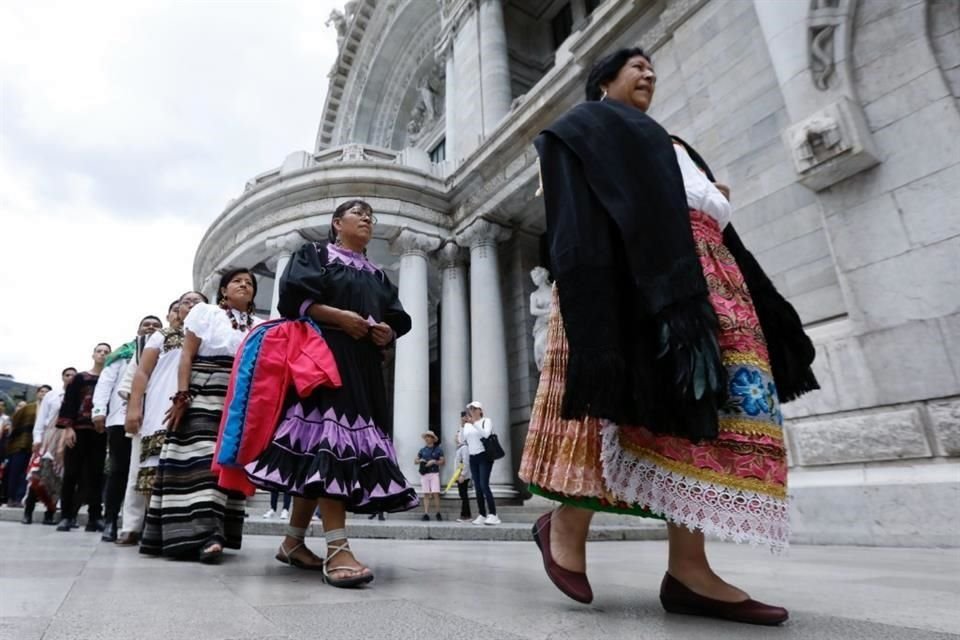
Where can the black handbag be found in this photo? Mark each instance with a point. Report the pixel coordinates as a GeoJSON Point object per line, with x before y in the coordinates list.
{"type": "Point", "coordinates": [492, 448]}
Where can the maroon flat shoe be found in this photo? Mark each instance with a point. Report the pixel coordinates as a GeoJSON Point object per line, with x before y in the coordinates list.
{"type": "Point", "coordinates": [677, 598]}
{"type": "Point", "coordinates": [573, 584]}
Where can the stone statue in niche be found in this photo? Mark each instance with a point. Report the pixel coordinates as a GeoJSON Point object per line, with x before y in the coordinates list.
{"type": "Point", "coordinates": [417, 123]}
{"type": "Point", "coordinates": [540, 301]}
{"type": "Point", "coordinates": [428, 107]}
{"type": "Point", "coordinates": [428, 98]}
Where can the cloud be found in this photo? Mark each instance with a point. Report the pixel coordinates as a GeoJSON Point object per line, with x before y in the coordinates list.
{"type": "Point", "coordinates": [125, 127]}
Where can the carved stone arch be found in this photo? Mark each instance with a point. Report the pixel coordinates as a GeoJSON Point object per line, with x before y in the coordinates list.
{"type": "Point", "coordinates": [397, 32]}
{"type": "Point", "coordinates": [943, 28]}
{"type": "Point", "coordinates": [416, 63]}
{"type": "Point", "coordinates": [924, 35]}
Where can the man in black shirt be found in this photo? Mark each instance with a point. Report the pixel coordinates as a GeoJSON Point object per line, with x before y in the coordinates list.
{"type": "Point", "coordinates": [86, 447]}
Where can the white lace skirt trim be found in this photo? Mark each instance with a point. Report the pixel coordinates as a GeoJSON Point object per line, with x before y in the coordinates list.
{"type": "Point", "coordinates": [722, 512]}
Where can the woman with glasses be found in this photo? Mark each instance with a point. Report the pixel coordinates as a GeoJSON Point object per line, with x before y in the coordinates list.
{"type": "Point", "coordinates": [333, 448]}
{"type": "Point", "coordinates": [154, 382]}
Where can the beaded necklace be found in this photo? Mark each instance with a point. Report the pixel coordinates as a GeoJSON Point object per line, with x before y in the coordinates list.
{"type": "Point", "coordinates": [236, 325]}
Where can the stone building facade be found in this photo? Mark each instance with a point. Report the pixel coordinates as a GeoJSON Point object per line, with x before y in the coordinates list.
{"type": "Point", "coordinates": [836, 123]}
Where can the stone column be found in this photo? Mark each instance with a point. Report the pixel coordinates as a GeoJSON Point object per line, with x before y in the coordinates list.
{"type": "Point", "coordinates": [411, 388]}
{"type": "Point", "coordinates": [454, 347]}
{"type": "Point", "coordinates": [282, 247]}
{"type": "Point", "coordinates": [494, 65]}
{"type": "Point", "coordinates": [450, 107]}
{"type": "Point", "coordinates": [488, 347]}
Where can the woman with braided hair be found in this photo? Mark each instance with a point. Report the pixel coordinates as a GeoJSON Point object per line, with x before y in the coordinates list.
{"type": "Point", "coordinates": [190, 515]}
{"type": "Point", "coordinates": [333, 448]}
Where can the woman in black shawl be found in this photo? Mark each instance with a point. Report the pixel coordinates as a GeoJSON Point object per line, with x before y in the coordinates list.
{"type": "Point", "coordinates": [334, 448]}
{"type": "Point", "coordinates": [669, 352]}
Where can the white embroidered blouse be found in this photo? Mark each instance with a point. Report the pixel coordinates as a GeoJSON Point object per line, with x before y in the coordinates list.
{"type": "Point", "coordinates": [212, 325]}
{"type": "Point", "coordinates": [702, 194]}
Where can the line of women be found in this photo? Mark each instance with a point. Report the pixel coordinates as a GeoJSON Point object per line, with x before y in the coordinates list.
{"type": "Point", "coordinates": [325, 441]}
{"type": "Point", "coordinates": [669, 355]}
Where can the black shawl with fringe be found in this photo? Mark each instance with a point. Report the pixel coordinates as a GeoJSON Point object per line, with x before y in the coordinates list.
{"type": "Point", "coordinates": [640, 328]}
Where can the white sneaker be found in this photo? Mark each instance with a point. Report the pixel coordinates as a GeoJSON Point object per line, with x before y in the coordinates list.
{"type": "Point", "coordinates": [284, 515]}
{"type": "Point", "coordinates": [270, 514]}
{"type": "Point", "coordinates": [492, 519]}
{"type": "Point", "coordinates": [479, 520]}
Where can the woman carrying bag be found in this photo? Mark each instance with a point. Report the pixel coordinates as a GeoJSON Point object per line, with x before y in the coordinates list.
{"type": "Point", "coordinates": [477, 432]}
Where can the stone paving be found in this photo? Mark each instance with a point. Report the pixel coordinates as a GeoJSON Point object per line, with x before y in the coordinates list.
{"type": "Point", "coordinates": [58, 586]}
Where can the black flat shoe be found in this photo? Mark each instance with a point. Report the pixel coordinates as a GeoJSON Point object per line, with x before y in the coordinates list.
{"type": "Point", "coordinates": [94, 525]}
{"type": "Point", "coordinates": [109, 532]}
{"type": "Point", "coordinates": [677, 598]}
{"type": "Point", "coordinates": [27, 518]}
{"type": "Point", "coordinates": [66, 524]}
{"type": "Point", "coordinates": [48, 518]}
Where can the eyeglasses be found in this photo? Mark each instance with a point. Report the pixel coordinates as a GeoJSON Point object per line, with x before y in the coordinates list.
{"type": "Point", "coordinates": [363, 214]}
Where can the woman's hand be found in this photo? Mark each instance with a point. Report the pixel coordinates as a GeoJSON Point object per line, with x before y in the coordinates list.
{"type": "Point", "coordinates": [174, 415]}
{"type": "Point", "coordinates": [133, 422]}
{"type": "Point", "coordinates": [353, 324]}
{"type": "Point", "coordinates": [69, 437]}
{"type": "Point", "coordinates": [381, 334]}
{"type": "Point", "coordinates": [724, 189]}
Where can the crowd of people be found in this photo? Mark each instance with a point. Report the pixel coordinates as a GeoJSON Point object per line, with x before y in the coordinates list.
{"type": "Point", "coordinates": [668, 354]}
{"type": "Point", "coordinates": [159, 412]}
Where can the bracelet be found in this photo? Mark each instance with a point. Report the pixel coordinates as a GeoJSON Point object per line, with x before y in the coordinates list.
{"type": "Point", "coordinates": [181, 398]}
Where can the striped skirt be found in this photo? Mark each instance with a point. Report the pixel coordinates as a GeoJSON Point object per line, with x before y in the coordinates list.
{"type": "Point", "coordinates": [188, 510]}
{"type": "Point", "coordinates": [733, 487]}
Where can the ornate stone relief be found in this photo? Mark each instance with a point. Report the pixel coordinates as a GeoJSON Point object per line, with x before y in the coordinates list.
{"type": "Point", "coordinates": [353, 153]}
{"type": "Point", "coordinates": [825, 17]}
{"type": "Point", "coordinates": [831, 145]}
{"type": "Point", "coordinates": [481, 233]}
{"type": "Point", "coordinates": [413, 242]}
{"type": "Point", "coordinates": [410, 61]}
{"type": "Point", "coordinates": [451, 255]}
{"type": "Point", "coordinates": [429, 105]}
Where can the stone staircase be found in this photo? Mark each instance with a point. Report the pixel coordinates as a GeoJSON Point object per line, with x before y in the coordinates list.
{"type": "Point", "coordinates": [517, 521]}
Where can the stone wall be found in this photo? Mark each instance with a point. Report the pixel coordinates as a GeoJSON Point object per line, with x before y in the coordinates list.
{"type": "Point", "coordinates": [943, 22]}
{"type": "Point", "coordinates": [874, 452]}
{"type": "Point", "coordinates": [717, 89]}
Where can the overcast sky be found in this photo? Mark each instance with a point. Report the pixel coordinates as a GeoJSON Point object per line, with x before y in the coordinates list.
{"type": "Point", "coordinates": [124, 129]}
